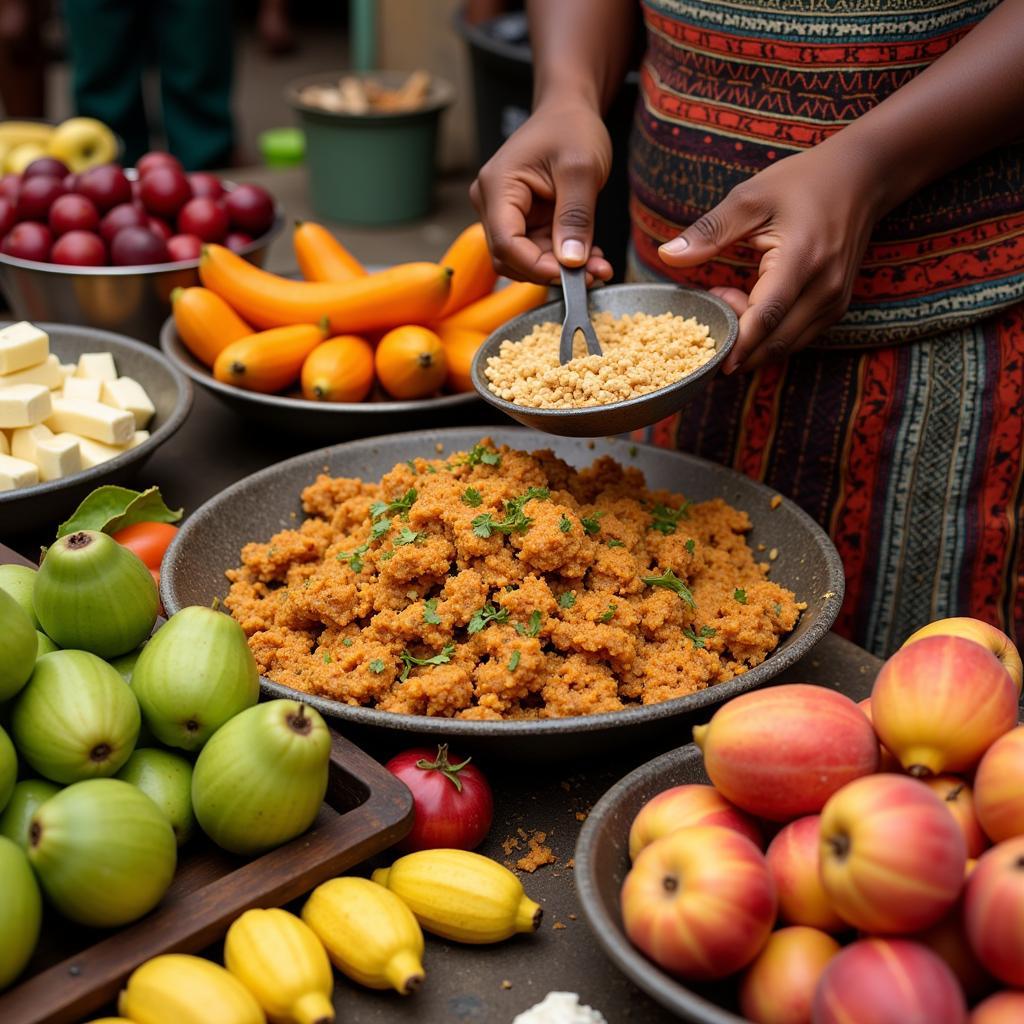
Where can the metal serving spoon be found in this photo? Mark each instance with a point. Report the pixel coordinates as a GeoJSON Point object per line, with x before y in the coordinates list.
{"type": "Point", "coordinates": [577, 314]}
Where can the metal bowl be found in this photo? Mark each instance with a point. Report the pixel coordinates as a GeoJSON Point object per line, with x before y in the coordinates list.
{"type": "Point", "coordinates": [268, 501]}
{"type": "Point", "coordinates": [129, 300]}
{"type": "Point", "coordinates": [616, 417]}
{"type": "Point", "coordinates": [325, 421]}
{"type": "Point", "coordinates": [24, 510]}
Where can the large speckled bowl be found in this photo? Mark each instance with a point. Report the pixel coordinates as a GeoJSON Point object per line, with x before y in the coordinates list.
{"type": "Point", "coordinates": [266, 502]}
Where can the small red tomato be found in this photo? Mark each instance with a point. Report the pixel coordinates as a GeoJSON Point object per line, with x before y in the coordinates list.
{"type": "Point", "coordinates": [452, 802]}
{"type": "Point", "coordinates": [148, 540]}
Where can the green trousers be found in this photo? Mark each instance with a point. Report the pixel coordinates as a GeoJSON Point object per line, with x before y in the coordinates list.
{"type": "Point", "coordinates": [111, 42]}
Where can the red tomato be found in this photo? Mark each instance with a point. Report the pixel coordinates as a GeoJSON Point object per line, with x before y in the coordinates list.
{"type": "Point", "coordinates": [148, 540]}
{"type": "Point", "coordinates": [452, 802]}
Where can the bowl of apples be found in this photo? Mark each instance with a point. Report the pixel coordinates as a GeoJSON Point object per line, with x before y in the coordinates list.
{"type": "Point", "coordinates": [106, 247]}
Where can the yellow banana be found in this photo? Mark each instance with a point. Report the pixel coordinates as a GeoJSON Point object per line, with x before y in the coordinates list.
{"type": "Point", "coordinates": [179, 989]}
{"type": "Point", "coordinates": [282, 963]}
{"type": "Point", "coordinates": [370, 934]}
{"type": "Point", "coordinates": [461, 896]}
{"type": "Point", "coordinates": [110, 1020]}
{"type": "Point", "coordinates": [14, 133]}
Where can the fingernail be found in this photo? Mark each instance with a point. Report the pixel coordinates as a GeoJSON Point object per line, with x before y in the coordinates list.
{"type": "Point", "coordinates": [675, 246]}
{"type": "Point", "coordinates": [573, 251]}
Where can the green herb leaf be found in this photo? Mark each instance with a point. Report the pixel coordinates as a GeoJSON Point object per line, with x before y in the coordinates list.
{"type": "Point", "coordinates": [670, 581]}
{"type": "Point", "coordinates": [515, 521]}
{"type": "Point", "coordinates": [391, 508]}
{"type": "Point", "coordinates": [471, 497]}
{"type": "Point", "coordinates": [377, 666]}
{"type": "Point", "coordinates": [347, 641]}
{"type": "Point", "coordinates": [777, 609]}
{"type": "Point", "coordinates": [111, 508]}
{"type": "Point", "coordinates": [407, 536]}
{"type": "Point", "coordinates": [513, 662]}
{"type": "Point", "coordinates": [387, 555]}
{"type": "Point", "coordinates": [430, 616]}
{"type": "Point", "coordinates": [481, 454]}
{"type": "Point", "coordinates": [699, 638]}
{"type": "Point", "coordinates": [354, 558]}
{"type": "Point", "coordinates": [567, 600]}
{"type": "Point", "coordinates": [431, 468]}
{"type": "Point", "coordinates": [565, 524]}
{"type": "Point", "coordinates": [484, 616]}
{"type": "Point", "coordinates": [409, 660]}
{"type": "Point", "coordinates": [609, 613]}
{"type": "Point", "coordinates": [532, 627]}
{"type": "Point", "coordinates": [664, 518]}
{"type": "Point", "coordinates": [380, 528]}
{"type": "Point", "coordinates": [615, 543]}
{"type": "Point", "coordinates": [590, 524]}
{"type": "Point", "coordinates": [327, 657]}
{"type": "Point", "coordinates": [690, 545]}
{"type": "Point", "coordinates": [411, 464]}
{"type": "Point", "coordinates": [740, 594]}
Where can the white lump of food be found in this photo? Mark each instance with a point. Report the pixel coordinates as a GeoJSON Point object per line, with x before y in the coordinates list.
{"type": "Point", "coordinates": [560, 1008]}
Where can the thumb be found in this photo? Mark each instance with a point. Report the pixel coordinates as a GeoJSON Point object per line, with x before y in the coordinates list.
{"type": "Point", "coordinates": [707, 236]}
{"type": "Point", "coordinates": [572, 229]}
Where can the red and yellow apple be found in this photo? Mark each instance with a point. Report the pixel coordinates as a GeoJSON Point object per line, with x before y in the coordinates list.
{"type": "Point", "coordinates": [892, 856]}
{"type": "Point", "coordinates": [779, 985]}
{"type": "Point", "coordinates": [980, 632]}
{"type": "Point", "coordinates": [888, 981]}
{"type": "Point", "coordinates": [700, 902]}
{"type": "Point", "coordinates": [886, 762]}
{"type": "Point", "coordinates": [994, 911]}
{"type": "Point", "coordinates": [781, 752]}
{"type": "Point", "coordinates": [794, 860]}
{"type": "Point", "coordinates": [685, 806]}
{"type": "Point", "coordinates": [1002, 1008]}
{"type": "Point", "coordinates": [958, 799]}
{"type": "Point", "coordinates": [940, 703]}
{"type": "Point", "coordinates": [998, 789]}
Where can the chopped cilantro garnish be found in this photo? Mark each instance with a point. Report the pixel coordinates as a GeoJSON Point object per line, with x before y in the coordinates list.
{"type": "Point", "coordinates": [481, 454]}
{"type": "Point", "coordinates": [327, 657]}
{"type": "Point", "coordinates": [664, 518]}
{"type": "Point", "coordinates": [690, 545]}
{"type": "Point", "coordinates": [670, 581]}
{"type": "Point", "coordinates": [408, 660]}
{"type": "Point", "coordinates": [387, 555]}
{"type": "Point", "coordinates": [740, 594]}
{"type": "Point", "coordinates": [590, 523]}
{"type": "Point", "coordinates": [347, 641]}
{"type": "Point", "coordinates": [513, 662]}
{"type": "Point", "coordinates": [430, 616]}
{"type": "Point", "coordinates": [565, 524]}
{"type": "Point", "coordinates": [699, 638]}
{"type": "Point", "coordinates": [379, 528]}
{"type": "Point", "coordinates": [532, 627]}
{"type": "Point", "coordinates": [515, 521]}
{"type": "Point", "coordinates": [354, 558]}
{"type": "Point", "coordinates": [613, 543]}
{"type": "Point", "coordinates": [484, 616]}
{"type": "Point", "coordinates": [567, 600]}
{"type": "Point", "coordinates": [609, 613]}
{"type": "Point", "coordinates": [471, 497]}
{"type": "Point", "coordinates": [391, 508]}
{"type": "Point", "coordinates": [377, 666]}
{"type": "Point", "coordinates": [777, 609]}
{"type": "Point", "coordinates": [411, 464]}
{"type": "Point", "coordinates": [407, 536]}
{"type": "Point", "coordinates": [431, 468]}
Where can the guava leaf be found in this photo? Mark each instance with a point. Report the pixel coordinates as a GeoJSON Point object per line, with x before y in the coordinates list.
{"type": "Point", "coordinates": [110, 508]}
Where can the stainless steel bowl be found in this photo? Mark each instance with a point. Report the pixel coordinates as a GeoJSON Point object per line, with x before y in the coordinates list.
{"type": "Point", "coordinates": [42, 506]}
{"type": "Point", "coordinates": [617, 417]}
{"type": "Point", "coordinates": [129, 300]}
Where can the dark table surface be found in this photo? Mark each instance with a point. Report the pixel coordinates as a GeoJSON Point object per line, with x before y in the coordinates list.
{"type": "Point", "coordinates": [465, 983]}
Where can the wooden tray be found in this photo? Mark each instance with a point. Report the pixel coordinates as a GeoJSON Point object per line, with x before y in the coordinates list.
{"type": "Point", "coordinates": [77, 970]}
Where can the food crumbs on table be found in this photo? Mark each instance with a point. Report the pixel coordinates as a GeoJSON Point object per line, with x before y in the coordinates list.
{"type": "Point", "coordinates": [773, 554]}
{"type": "Point", "coordinates": [641, 353]}
{"type": "Point", "coordinates": [760, 547]}
{"type": "Point", "coordinates": [581, 816]}
{"type": "Point", "coordinates": [558, 926]}
{"type": "Point", "coordinates": [776, 501]}
{"type": "Point", "coordinates": [509, 844]}
{"type": "Point", "coordinates": [571, 863]}
{"type": "Point", "coordinates": [572, 917]}
{"type": "Point", "coordinates": [538, 854]}
{"type": "Point", "coordinates": [506, 984]}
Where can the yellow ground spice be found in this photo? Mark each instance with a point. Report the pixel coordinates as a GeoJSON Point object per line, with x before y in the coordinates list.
{"type": "Point", "coordinates": [641, 353]}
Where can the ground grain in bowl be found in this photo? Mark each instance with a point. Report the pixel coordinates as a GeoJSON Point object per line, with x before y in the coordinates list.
{"type": "Point", "coordinates": [375, 598]}
{"type": "Point", "coordinates": [641, 353]}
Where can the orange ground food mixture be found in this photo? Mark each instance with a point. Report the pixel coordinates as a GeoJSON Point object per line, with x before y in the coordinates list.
{"type": "Point", "coordinates": [503, 584]}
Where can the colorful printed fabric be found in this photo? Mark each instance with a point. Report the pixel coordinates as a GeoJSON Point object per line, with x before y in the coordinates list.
{"type": "Point", "coordinates": [911, 455]}
{"type": "Point", "coordinates": [727, 88]}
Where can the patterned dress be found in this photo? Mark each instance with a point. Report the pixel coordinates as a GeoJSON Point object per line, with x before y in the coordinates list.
{"type": "Point", "coordinates": [902, 430]}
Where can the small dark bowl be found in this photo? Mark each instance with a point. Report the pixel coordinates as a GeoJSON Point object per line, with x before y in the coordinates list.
{"type": "Point", "coordinates": [211, 538]}
{"type": "Point", "coordinates": [30, 508]}
{"type": "Point", "coordinates": [617, 417]}
{"type": "Point", "coordinates": [325, 421]}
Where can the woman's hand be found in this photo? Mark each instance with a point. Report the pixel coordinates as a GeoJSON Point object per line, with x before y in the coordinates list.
{"type": "Point", "coordinates": [536, 195]}
{"type": "Point", "coordinates": [810, 215]}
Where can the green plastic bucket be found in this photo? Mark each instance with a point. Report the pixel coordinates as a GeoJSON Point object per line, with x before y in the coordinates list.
{"type": "Point", "coordinates": [371, 168]}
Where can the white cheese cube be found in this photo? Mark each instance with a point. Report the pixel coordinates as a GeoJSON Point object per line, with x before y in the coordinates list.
{"type": "Point", "coordinates": [128, 394]}
{"type": "Point", "coordinates": [82, 389]}
{"type": "Point", "coordinates": [22, 345]}
{"type": "Point", "coordinates": [23, 405]}
{"type": "Point", "coordinates": [95, 452]}
{"type": "Point", "coordinates": [91, 419]}
{"type": "Point", "coordinates": [47, 373]}
{"type": "Point", "coordinates": [56, 457]}
{"type": "Point", "coordinates": [96, 366]}
{"type": "Point", "coordinates": [17, 473]}
{"type": "Point", "coordinates": [68, 370]}
{"type": "Point", "coordinates": [137, 438]}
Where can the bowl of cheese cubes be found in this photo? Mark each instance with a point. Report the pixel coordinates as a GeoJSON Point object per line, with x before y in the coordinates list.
{"type": "Point", "coordinates": [79, 407]}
